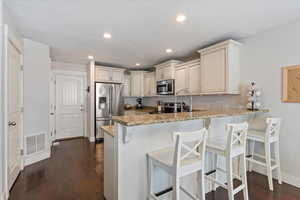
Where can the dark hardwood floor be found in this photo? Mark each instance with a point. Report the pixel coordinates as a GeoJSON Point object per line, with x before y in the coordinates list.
{"type": "Point", "coordinates": [75, 172]}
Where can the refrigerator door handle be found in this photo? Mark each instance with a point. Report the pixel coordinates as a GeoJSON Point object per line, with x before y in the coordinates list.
{"type": "Point", "coordinates": [110, 101]}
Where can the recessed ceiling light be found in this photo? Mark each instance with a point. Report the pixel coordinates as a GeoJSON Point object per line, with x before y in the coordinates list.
{"type": "Point", "coordinates": [107, 35]}
{"type": "Point", "coordinates": [169, 50]}
{"type": "Point", "coordinates": [137, 64]}
{"type": "Point", "coordinates": [180, 18]}
{"type": "Point", "coordinates": [91, 57]}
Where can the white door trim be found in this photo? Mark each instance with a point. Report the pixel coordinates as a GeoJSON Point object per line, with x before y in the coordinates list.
{"type": "Point", "coordinates": [76, 73]}
{"type": "Point", "coordinates": [6, 40]}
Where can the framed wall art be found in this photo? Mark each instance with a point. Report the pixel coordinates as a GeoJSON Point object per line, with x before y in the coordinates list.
{"type": "Point", "coordinates": [291, 84]}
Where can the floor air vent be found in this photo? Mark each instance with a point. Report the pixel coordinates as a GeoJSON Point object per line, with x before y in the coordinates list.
{"type": "Point", "coordinates": [35, 144]}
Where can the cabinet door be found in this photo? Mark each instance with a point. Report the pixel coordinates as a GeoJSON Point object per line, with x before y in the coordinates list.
{"type": "Point", "coordinates": [152, 85]}
{"type": "Point", "coordinates": [137, 84]}
{"type": "Point", "coordinates": [117, 76]}
{"type": "Point", "coordinates": [194, 79]}
{"type": "Point", "coordinates": [168, 72]}
{"type": "Point", "coordinates": [180, 78]}
{"type": "Point", "coordinates": [160, 74]}
{"type": "Point", "coordinates": [127, 86]}
{"type": "Point", "coordinates": [147, 90]}
{"type": "Point", "coordinates": [102, 74]}
{"type": "Point", "coordinates": [213, 71]}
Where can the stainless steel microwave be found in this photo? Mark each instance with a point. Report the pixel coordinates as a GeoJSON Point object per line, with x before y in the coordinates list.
{"type": "Point", "coordinates": [165, 87]}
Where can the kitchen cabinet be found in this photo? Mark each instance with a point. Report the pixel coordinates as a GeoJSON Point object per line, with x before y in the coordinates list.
{"type": "Point", "coordinates": [194, 78]}
{"type": "Point", "coordinates": [181, 78]}
{"type": "Point", "coordinates": [187, 75]}
{"type": "Point", "coordinates": [127, 80]}
{"type": "Point", "coordinates": [137, 83]}
{"type": "Point", "coordinates": [109, 74]}
{"type": "Point", "coordinates": [149, 84]}
{"type": "Point", "coordinates": [166, 70]}
{"type": "Point", "coordinates": [220, 68]}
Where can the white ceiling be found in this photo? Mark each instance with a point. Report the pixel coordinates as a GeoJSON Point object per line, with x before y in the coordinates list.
{"type": "Point", "coordinates": [142, 29]}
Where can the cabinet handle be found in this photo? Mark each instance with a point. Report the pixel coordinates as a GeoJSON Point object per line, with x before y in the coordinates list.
{"type": "Point", "coordinates": [13, 123]}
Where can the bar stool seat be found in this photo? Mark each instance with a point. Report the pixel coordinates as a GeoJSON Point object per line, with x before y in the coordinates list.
{"type": "Point", "coordinates": [219, 147]}
{"type": "Point", "coordinates": [259, 136]}
{"type": "Point", "coordinates": [165, 156]}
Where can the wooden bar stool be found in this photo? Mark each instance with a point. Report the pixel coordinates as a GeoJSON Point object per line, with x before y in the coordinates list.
{"type": "Point", "coordinates": [185, 158]}
{"type": "Point", "coordinates": [269, 136]}
{"type": "Point", "coordinates": [235, 147]}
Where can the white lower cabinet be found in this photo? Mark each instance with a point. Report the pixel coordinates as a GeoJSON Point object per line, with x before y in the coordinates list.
{"type": "Point", "coordinates": [109, 167]}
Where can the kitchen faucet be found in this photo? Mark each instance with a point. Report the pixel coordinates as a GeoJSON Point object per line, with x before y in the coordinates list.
{"type": "Point", "coordinates": [186, 90]}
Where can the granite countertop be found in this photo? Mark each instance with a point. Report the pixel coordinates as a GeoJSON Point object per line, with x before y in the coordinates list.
{"type": "Point", "coordinates": [135, 120]}
{"type": "Point", "coordinates": [109, 130]}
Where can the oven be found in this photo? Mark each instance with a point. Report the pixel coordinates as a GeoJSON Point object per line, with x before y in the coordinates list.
{"type": "Point", "coordinates": [165, 87]}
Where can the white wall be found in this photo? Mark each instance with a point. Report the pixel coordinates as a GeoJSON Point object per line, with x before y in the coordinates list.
{"type": "Point", "coordinates": [1, 107]}
{"type": "Point", "coordinates": [69, 67]}
{"type": "Point", "coordinates": [263, 56]}
{"type": "Point", "coordinates": [37, 66]}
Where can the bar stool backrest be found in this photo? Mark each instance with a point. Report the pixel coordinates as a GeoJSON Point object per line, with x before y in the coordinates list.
{"type": "Point", "coordinates": [190, 144]}
{"type": "Point", "coordinates": [236, 137]}
{"type": "Point", "coordinates": [273, 127]}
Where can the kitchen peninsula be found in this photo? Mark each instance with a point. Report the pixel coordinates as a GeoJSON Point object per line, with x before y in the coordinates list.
{"type": "Point", "coordinates": [135, 135]}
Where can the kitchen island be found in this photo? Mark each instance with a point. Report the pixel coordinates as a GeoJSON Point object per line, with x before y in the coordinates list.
{"type": "Point", "coordinates": [125, 163]}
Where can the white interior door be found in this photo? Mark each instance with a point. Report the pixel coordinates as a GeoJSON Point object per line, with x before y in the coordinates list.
{"type": "Point", "coordinates": [69, 116]}
{"type": "Point", "coordinates": [14, 136]}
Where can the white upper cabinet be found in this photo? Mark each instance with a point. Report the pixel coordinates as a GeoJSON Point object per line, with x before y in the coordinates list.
{"type": "Point", "coordinates": [220, 68]}
{"type": "Point", "coordinates": [181, 79]}
{"type": "Point", "coordinates": [102, 74]}
{"type": "Point", "coordinates": [149, 84]}
{"type": "Point", "coordinates": [166, 70]}
{"type": "Point", "coordinates": [187, 76]}
{"type": "Point", "coordinates": [109, 74]}
{"type": "Point", "coordinates": [137, 83]}
{"type": "Point", "coordinates": [127, 80]}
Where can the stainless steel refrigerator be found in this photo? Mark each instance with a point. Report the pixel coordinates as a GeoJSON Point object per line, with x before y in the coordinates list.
{"type": "Point", "coordinates": [109, 101]}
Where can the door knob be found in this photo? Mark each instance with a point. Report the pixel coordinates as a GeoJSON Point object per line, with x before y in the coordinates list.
{"type": "Point", "coordinates": [51, 113]}
{"type": "Point", "coordinates": [13, 123]}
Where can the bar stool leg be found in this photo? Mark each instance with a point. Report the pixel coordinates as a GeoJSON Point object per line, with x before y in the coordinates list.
{"type": "Point", "coordinates": [201, 185]}
{"type": "Point", "coordinates": [277, 158]}
{"type": "Point", "coordinates": [215, 166]}
{"type": "Point", "coordinates": [176, 187]}
{"type": "Point", "coordinates": [150, 178]}
{"type": "Point", "coordinates": [244, 176]}
{"type": "Point", "coordinates": [229, 178]}
{"type": "Point", "coordinates": [268, 164]}
{"type": "Point", "coordinates": [252, 148]}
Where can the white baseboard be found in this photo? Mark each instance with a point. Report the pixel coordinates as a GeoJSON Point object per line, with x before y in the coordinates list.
{"type": "Point", "coordinates": [37, 157]}
{"type": "Point", "coordinates": [287, 178]}
{"type": "Point", "coordinates": [92, 139]}
{"type": "Point", "coordinates": [3, 196]}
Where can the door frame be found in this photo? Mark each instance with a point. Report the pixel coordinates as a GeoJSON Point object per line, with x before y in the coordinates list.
{"type": "Point", "coordinates": [53, 97]}
{"type": "Point", "coordinates": [8, 38]}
